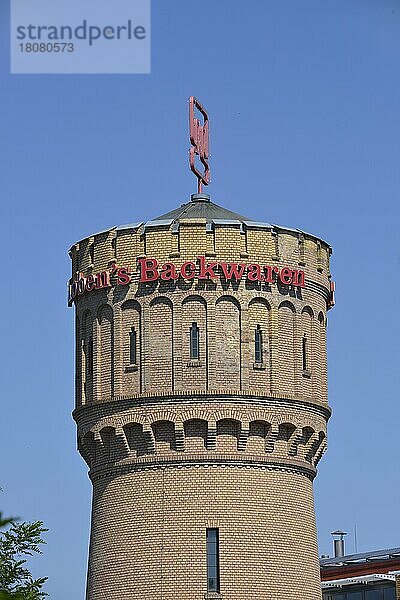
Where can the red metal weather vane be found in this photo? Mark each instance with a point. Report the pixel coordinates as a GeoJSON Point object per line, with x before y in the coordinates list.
{"type": "Point", "coordinates": [200, 143]}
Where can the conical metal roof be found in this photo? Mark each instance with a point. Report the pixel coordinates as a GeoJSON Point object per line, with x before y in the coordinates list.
{"type": "Point", "coordinates": [200, 206]}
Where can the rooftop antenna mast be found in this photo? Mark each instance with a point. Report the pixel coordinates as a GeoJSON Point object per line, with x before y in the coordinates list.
{"type": "Point", "coordinates": [199, 139]}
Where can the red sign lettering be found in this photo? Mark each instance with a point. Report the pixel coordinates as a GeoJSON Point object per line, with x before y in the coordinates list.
{"type": "Point", "coordinates": [123, 276]}
{"type": "Point", "coordinates": [150, 270]}
{"type": "Point", "coordinates": [184, 270]}
{"type": "Point", "coordinates": [90, 283]}
{"type": "Point", "coordinates": [207, 271]}
{"type": "Point", "coordinates": [168, 272]}
{"type": "Point", "coordinates": [230, 270]}
{"type": "Point", "coordinates": [286, 275]}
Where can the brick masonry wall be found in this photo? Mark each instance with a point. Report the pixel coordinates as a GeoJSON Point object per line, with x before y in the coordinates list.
{"type": "Point", "coordinates": [176, 445]}
{"type": "Point", "coordinates": [149, 534]}
{"type": "Point", "coordinates": [227, 323]}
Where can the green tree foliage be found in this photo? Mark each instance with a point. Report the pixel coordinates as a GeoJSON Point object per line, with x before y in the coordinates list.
{"type": "Point", "coordinates": [17, 541]}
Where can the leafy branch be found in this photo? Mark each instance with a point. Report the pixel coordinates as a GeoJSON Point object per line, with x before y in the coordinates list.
{"type": "Point", "coordinates": [18, 541]}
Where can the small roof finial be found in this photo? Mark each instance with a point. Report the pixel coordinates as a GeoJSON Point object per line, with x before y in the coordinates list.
{"type": "Point", "coordinates": [199, 138]}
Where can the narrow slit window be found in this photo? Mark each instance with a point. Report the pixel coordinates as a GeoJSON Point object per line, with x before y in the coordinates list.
{"type": "Point", "coordinates": [89, 359]}
{"type": "Point", "coordinates": [132, 346]}
{"type": "Point", "coordinates": [212, 536]}
{"type": "Point", "coordinates": [91, 253]}
{"type": "Point", "coordinates": [194, 342]}
{"type": "Point", "coordinates": [304, 353]}
{"type": "Point", "coordinates": [258, 345]}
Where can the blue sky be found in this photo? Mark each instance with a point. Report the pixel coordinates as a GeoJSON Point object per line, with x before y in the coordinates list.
{"type": "Point", "coordinates": [304, 99]}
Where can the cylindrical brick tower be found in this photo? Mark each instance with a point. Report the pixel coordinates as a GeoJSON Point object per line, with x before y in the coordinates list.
{"type": "Point", "coordinates": [201, 405]}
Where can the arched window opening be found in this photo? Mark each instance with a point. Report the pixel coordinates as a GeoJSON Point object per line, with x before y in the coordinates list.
{"type": "Point", "coordinates": [132, 346]}
{"type": "Point", "coordinates": [258, 345]}
{"type": "Point", "coordinates": [194, 342]}
{"type": "Point", "coordinates": [304, 353]}
{"type": "Point", "coordinates": [89, 359]}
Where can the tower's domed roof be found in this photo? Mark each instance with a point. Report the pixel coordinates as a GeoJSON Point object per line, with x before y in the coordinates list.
{"type": "Point", "coordinates": [200, 206]}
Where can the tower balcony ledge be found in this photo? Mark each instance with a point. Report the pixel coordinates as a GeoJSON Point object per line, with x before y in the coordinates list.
{"type": "Point", "coordinates": [178, 397]}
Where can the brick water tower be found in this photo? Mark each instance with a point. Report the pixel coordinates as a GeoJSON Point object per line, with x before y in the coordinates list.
{"type": "Point", "coordinates": [201, 404]}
